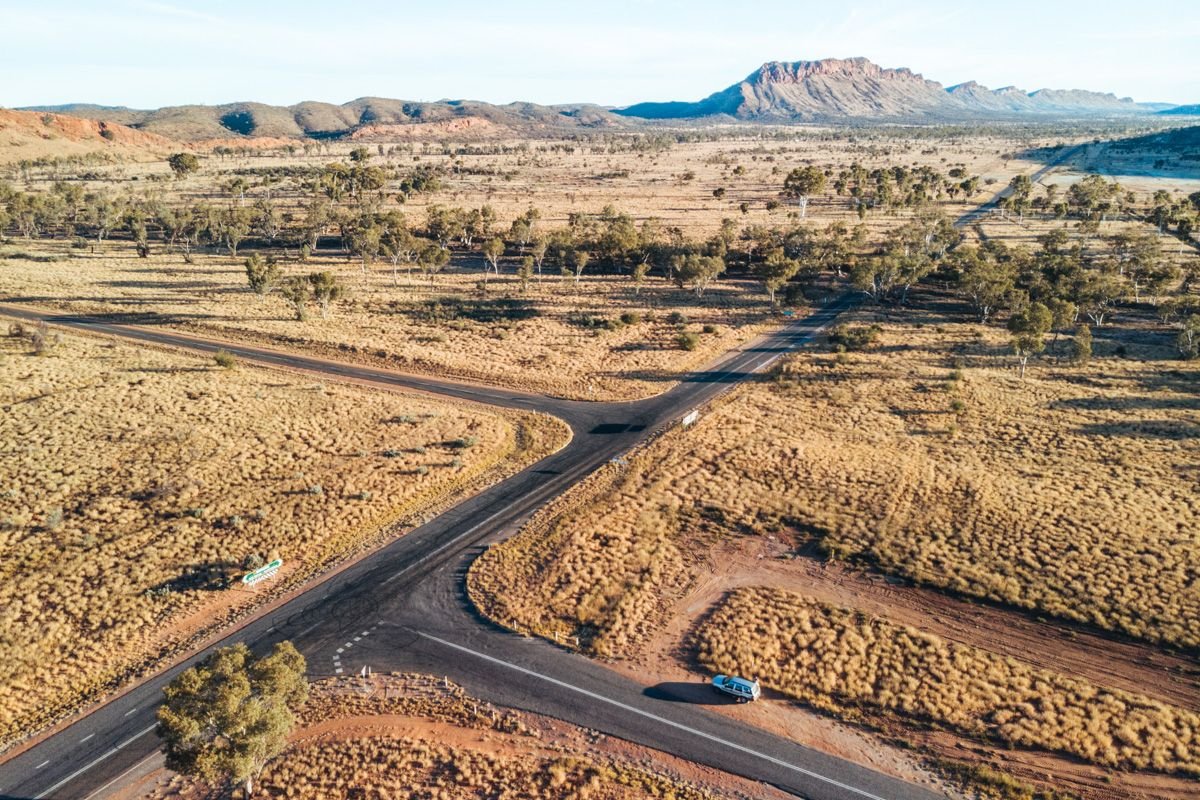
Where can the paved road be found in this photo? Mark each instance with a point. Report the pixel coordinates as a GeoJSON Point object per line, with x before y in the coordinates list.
{"type": "Point", "coordinates": [404, 607]}
{"type": "Point", "coordinates": [979, 212]}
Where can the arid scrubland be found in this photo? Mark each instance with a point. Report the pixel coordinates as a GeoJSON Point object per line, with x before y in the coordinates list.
{"type": "Point", "coordinates": [412, 736]}
{"type": "Point", "coordinates": [925, 456]}
{"type": "Point", "coordinates": [602, 315]}
{"type": "Point", "coordinates": [138, 485]}
{"type": "Point", "coordinates": [838, 659]}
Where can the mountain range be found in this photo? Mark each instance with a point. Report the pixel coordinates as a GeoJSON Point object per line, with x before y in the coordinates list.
{"type": "Point", "coordinates": [837, 88]}
{"type": "Point", "coordinates": [828, 90]}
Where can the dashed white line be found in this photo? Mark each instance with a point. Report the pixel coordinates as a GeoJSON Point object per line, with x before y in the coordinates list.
{"type": "Point", "coordinates": [634, 710]}
{"type": "Point", "coordinates": [102, 789]}
{"type": "Point", "coordinates": [91, 764]}
{"type": "Point", "coordinates": [84, 739]}
{"type": "Point", "coordinates": [44, 763]}
{"type": "Point", "coordinates": [130, 711]}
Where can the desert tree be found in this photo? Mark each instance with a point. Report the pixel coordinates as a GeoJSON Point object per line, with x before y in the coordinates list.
{"type": "Point", "coordinates": [801, 184]}
{"type": "Point", "coordinates": [1081, 344]}
{"type": "Point", "coordinates": [325, 291]}
{"type": "Point", "coordinates": [638, 276]}
{"type": "Point", "coordinates": [984, 278]}
{"type": "Point", "coordinates": [697, 271]}
{"type": "Point", "coordinates": [1188, 340]}
{"type": "Point", "coordinates": [222, 720]}
{"type": "Point", "coordinates": [261, 273]}
{"type": "Point", "coordinates": [103, 214]}
{"type": "Point", "coordinates": [230, 226]}
{"type": "Point", "coordinates": [525, 273]}
{"type": "Point", "coordinates": [576, 263]}
{"type": "Point", "coordinates": [183, 164]}
{"type": "Point", "coordinates": [775, 271]}
{"type": "Point", "coordinates": [268, 223]}
{"type": "Point", "coordinates": [365, 239]}
{"type": "Point", "coordinates": [1095, 294]}
{"type": "Point", "coordinates": [296, 291]}
{"type": "Point", "coordinates": [492, 250]}
{"type": "Point", "coordinates": [431, 258]}
{"type": "Point", "coordinates": [399, 245]}
{"type": "Point", "coordinates": [537, 249]}
{"type": "Point", "coordinates": [1029, 327]}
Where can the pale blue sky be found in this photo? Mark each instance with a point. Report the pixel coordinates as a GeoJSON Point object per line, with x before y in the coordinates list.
{"type": "Point", "coordinates": [149, 53]}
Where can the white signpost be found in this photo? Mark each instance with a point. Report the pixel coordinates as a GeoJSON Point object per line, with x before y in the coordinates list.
{"type": "Point", "coordinates": [690, 418]}
{"type": "Point", "coordinates": [262, 573]}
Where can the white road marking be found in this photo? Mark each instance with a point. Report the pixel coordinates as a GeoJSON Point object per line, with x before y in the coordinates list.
{"type": "Point", "coordinates": [130, 711]}
{"type": "Point", "coordinates": [337, 671]}
{"type": "Point", "coordinates": [84, 739]}
{"type": "Point", "coordinates": [340, 649]}
{"type": "Point", "coordinates": [656, 718]}
{"type": "Point", "coordinates": [102, 789]}
{"type": "Point", "coordinates": [91, 764]}
{"type": "Point", "coordinates": [44, 763]}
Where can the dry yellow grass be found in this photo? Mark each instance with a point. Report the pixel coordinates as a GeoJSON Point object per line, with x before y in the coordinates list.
{"type": "Point", "coordinates": [135, 482]}
{"type": "Point", "coordinates": [549, 340]}
{"type": "Point", "coordinates": [1071, 493]}
{"type": "Point", "coordinates": [836, 658]}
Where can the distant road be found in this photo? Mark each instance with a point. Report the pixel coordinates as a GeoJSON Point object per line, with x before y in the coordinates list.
{"type": "Point", "coordinates": [404, 606]}
{"type": "Point", "coordinates": [978, 213]}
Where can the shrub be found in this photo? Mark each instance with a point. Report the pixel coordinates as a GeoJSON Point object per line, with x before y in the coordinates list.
{"type": "Point", "coordinates": [709, 328]}
{"type": "Point", "coordinates": [225, 359]}
{"type": "Point", "coordinates": [630, 318]}
{"type": "Point", "coordinates": [54, 519]}
{"type": "Point", "coordinates": [858, 337]}
{"type": "Point", "coordinates": [43, 339]}
{"type": "Point", "coordinates": [687, 340]}
{"type": "Point", "coordinates": [677, 318]}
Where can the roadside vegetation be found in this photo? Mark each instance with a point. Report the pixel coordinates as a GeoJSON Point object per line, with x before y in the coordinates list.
{"type": "Point", "coordinates": [840, 660]}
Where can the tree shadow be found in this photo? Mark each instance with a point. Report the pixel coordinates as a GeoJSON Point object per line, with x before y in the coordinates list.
{"type": "Point", "coordinates": [212, 576]}
{"type": "Point", "coordinates": [1169, 430]}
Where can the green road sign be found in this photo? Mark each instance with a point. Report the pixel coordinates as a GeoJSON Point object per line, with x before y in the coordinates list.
{"type": "Point", "coordinates": [262, 573]}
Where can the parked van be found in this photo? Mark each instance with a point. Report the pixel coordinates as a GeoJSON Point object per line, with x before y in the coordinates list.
{"type": "Point", "coordinates": [744, 690]}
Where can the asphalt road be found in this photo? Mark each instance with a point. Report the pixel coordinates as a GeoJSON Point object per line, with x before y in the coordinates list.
{"type": "Point", "coordinates": [404, 607]}
{"type": "Point", "coordinates": [979, 212]}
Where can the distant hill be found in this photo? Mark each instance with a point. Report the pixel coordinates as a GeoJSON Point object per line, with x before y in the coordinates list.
{"type": "Point", "coordinates": [832, 89]}
{"type": "Point", "coordinates": [1183, 111]}
{"type": "Point", "coordinates": [836, 88]}
{"type": "Point", "coordinates": [357, 118]}
{"type": "Point", "coordinates": [32, 135]}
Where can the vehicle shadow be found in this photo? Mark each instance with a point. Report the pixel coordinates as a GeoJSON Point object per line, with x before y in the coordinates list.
{"type": "Point", "coordinates": [683, 692]}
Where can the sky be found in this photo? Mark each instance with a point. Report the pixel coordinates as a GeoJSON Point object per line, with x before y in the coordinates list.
{"type": "Point", "coordinates": [152, 53]}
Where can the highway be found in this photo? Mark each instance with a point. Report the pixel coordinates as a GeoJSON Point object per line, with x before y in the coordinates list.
{"type": "Point", "coordinates": [404, 607]}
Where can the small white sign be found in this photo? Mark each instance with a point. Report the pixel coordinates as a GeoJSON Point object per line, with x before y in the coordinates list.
{"type": "Point", "coordinates": [262, 573]}
{"type": "Point", "coordinates": [690, 418]}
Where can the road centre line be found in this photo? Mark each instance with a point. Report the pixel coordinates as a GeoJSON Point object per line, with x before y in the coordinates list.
{"type": "Point", "coordinates": [655, 717]}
